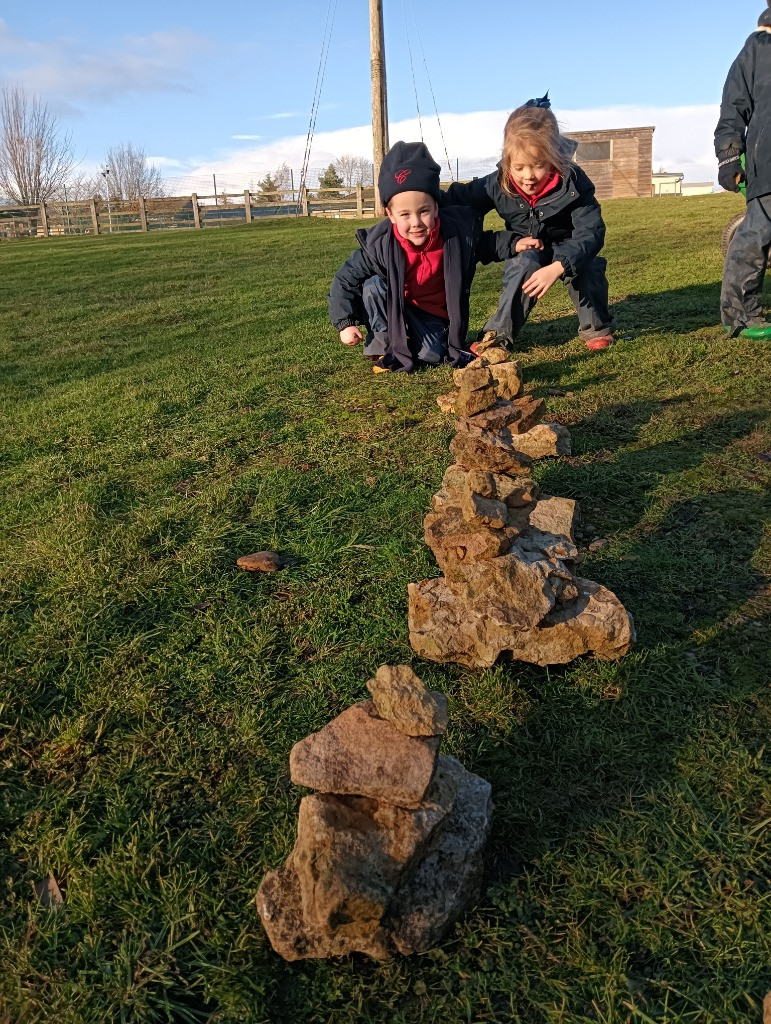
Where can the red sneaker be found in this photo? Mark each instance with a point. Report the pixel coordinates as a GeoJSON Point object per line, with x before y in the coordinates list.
{"type": "Point", "coordinates": [595, 344]}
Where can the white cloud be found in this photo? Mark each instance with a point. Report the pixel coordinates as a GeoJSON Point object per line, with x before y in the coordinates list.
{"type": "Point", "coordinates": [682, 142]}
{"type": "Point", "coordinates": [277, 117]}
{"type": "Point", "coordinates": [63, 72]}
{"type": "Point", "coordinates": [251, 137]}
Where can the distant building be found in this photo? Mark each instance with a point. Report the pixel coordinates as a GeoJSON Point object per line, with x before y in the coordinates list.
{"type": "Point", "coordinates": [698, 188]}
{"type": "Point", "coordinates": [670, 183]}
{"type": "Point", "coordinates": [667, 183]}
{"type": "Point", "coordinates": [618, 160]}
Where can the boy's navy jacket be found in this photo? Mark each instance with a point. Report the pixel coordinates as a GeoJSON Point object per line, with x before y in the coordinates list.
{"type": "Point", "coordinates": [380, 255]}
{"type": "Point", "coordinates": [745, 114]}
{"type": "Point", "coordinates": [568, 220]}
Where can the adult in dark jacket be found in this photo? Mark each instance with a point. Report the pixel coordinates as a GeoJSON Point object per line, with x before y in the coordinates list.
{"type": "Point", "coordinates": [744, 129]}
{"type": "Point", "coordinates": [549, 205]}
{"type": "Point", "coordinates": [411, 290]}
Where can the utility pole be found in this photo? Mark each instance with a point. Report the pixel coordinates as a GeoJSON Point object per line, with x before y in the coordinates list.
{"type": "Point", "coordinates": [379, 97]}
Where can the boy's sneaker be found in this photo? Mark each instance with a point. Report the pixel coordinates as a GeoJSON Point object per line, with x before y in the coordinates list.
{"type": "Point", "coordinates": [380, 369]}
{"type": "Point", "coordinates": [759, 331]}
{"type": "Point", "coordinates": [595, 344]}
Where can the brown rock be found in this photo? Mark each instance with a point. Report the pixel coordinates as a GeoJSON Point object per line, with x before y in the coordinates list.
{"type": "Point", "coordinates": [495, 354]}
{"type": "Point", "coordinates": [262, 561]}
{"type": "Point", "coordinates": [515, 491]}
{"type": "Point", "coordinates": [362, 754]}
{"type": "Point", "coordinates": [446, 402]}
{"type": "Point", "coordinates": [495, 455]}
{"type": "Point", "coordinates": [448, 878]}
{"type": "Point", "coordinates": [468, 403]}
{"type": "Point", "coordinates": [507, 379]}
{"type": "Point", "coordinates": [453, 540]}
{"type": "Point", "coordinates": [479, 511]}
{"type": "Point", "coordinates": [544, 440]}
{"type": "Point", "coordinates": [352, 852]}
{"type": "Point", "coordinates": [497, 417]}
{"type": "Point", "coordinates": [508, 590]}
{"type": "Point", "coordinates": [472, 378]}
{"type": "Point", "coordinates": [531, 411]}
{"type": "Point", "coordinates": [596, 622]}
{"type": "Point", "coordinates": [488, 340]}
{"type": "Point", "coordinates": [444, 627]}
{"type": "Point", "coordinates": [402, 699]}
{"type": "Point", "coordinates": [279, 904]}
{"type": "Point", "coordinates": [556, 515]}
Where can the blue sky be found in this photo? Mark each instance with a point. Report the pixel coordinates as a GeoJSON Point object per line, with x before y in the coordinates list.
{"type": "Point", "coordinates": [202, 87]}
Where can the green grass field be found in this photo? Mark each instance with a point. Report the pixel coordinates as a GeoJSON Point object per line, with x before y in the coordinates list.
{"type": "Point", "coordinates": [174, 401]}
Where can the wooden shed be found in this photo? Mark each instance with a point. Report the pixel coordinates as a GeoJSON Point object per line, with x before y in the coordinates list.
{"type": "Point", "coordinates": [618, 160]}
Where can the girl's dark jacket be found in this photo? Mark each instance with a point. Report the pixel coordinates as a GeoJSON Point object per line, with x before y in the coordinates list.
{"type": "Point", "coordinates": [745, 114]}
{"type": "Point", "coordinates": [568, 220]}
{"type": "Point", "coordinates": [380, 255]}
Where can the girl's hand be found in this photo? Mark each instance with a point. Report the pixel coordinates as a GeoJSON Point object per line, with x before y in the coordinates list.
{"type": "Point", "coordinates": [528, 243]}
{"type": "Point", "coordinates": [350, 336]}
{"type": "Point", "coordinates": [541, 281]}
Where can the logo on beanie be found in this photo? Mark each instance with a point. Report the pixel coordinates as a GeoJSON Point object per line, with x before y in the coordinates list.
{"type": "Point", "coordinates": [401, 176]}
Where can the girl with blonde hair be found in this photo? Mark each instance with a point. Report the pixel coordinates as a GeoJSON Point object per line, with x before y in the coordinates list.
{"type": "Point", "coordinates": [548, 202]}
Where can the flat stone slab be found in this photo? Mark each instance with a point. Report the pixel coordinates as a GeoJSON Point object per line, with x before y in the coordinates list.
{"type": "Point", "coordinates": [362, 754]}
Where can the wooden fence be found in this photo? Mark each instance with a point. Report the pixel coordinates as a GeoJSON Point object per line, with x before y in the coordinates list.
{"type": "Point", "coordinates": [120, 216]}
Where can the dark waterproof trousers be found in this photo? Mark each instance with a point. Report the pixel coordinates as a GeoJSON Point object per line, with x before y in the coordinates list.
{"type": "Point", "coordinates": [588, 292]}
{"type": "Point", "coordinates": [745, 267]}
{"type": "Point", "coordinates": [426, 334]}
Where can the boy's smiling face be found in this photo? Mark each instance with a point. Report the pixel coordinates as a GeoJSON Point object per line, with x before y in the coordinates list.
{"type": "Point", "coordinates": [414, 215]}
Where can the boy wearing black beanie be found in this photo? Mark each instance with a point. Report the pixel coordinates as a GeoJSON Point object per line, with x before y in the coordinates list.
{"type": "Point", "coordinates": [409, 281]}
{"type": "Point", "coordinates": [745, 113]}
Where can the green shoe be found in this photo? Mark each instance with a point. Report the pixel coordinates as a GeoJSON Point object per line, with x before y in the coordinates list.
{"type": "Point", "coordinates": [757, 331]}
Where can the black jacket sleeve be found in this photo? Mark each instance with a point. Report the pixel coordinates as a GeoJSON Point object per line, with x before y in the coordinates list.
{"type": "Point", "coordinates": [345, 303]}
{"type": "Point", "coordinates": [588, 235]}
{"type": "Point", "coordinates": [473, 194]}
{"type": "Point", "coordinates": [736, 105]}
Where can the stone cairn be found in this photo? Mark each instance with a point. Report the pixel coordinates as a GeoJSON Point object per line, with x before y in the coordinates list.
{"type": "Point", "coordinates": [389, 850]}
{"type": "Point", "coordinates": [506, 552]}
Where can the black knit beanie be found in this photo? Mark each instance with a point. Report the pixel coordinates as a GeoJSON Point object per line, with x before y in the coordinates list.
{"type": "Point", "coordinates": [764, 21]}
{"type": "Point", "coordinates": [408, 167]}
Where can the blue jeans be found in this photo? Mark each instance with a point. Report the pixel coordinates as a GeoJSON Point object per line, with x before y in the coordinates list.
{"type": "Point", "coordinates": [745, 267]}
{"type": "Point", "coordinates": [588, 291]}
{"type": "Point", "coordinates": [427, 334]}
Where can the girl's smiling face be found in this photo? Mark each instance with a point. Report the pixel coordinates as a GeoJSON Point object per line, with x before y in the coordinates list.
{"type": "Point", "coordinates": [529, 170]}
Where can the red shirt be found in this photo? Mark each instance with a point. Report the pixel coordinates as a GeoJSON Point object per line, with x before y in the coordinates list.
{"type": "Point", "coordinates": [424, 273]}
{"type": "Point", "coordinates": [550, 182]}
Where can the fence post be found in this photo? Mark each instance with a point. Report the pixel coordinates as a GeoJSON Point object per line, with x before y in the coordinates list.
{"type": "Point", "coordinates": [196, 211]}
{"type": "Point", "coordinates": [142, 214]}
{"type": "Point", "coordinates": [248, 205]}
{"type": "Point", "coordinates": [304, 201]}
{"type": "Point", "coordinates": [44, 218]}
{"type": "Point", "coordinates": [94, 217]}
{"type": "Point", "coordinates": [359, 201]}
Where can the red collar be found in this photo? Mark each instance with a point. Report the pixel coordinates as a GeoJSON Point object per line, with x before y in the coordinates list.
{"type": "Point", "coordinates": [549, 183]}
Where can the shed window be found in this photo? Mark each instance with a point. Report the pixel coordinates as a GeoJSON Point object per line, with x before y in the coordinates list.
{"type": "Point", "coordinates": [593, 151]}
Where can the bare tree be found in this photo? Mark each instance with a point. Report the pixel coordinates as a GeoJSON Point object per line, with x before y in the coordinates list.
{"type": "Point", "coordinates": [127, 174]}
{"type": "Point", "coordinates": [79, 186]}
{"type": "Point", "coordinates": [354, 170]}
{"type": "Point", "coordinates": [282, 176]}
{"type": "Point", "coordinates": [35, 154]}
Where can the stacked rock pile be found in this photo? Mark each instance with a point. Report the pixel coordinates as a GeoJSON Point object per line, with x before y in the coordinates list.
{"type": "Point", "coordinates": [506, 552]}
{"type": "Point", "coordinates": [389, 850]}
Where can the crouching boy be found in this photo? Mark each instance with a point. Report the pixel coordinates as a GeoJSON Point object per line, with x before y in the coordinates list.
{"type": "Point", "coordinates": [409, 281]}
